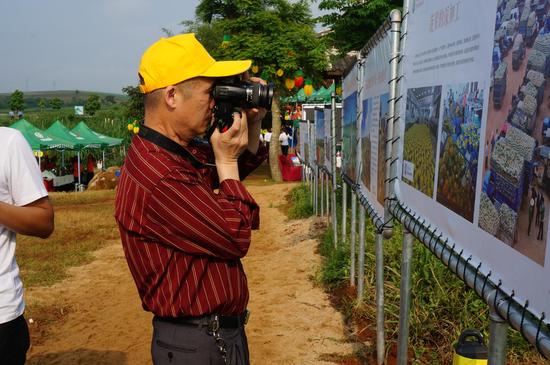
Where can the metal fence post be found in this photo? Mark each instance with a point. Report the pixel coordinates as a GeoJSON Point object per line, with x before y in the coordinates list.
{"type": "Point", "coordinates": [322, 193]}
{"type": "Point", "coordinates": [361, 258]}
{"type": "Point", "coordinates": [327, 191]}
{"type": "Point", "coordinates": [344, 209]}
{"type": "Point", "coordinates": [352, 237]}
{"type": "Point", "coordinates": [333, 165]}
{"type": "Point", "coordinates": [405, 298]}
{"type": "Point", "coordinates": [498, 337]}
{"type": "Point", "coordinates": [380, 341]}
{"type": "Point", "coordinates": [315, 189]}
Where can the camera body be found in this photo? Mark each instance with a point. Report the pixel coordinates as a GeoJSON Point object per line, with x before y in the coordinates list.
{"type": "Point", "coordinates": [232, 94]}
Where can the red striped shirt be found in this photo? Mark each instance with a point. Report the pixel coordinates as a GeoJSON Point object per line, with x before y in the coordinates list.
{"type": "Point", "coordinates": [182, 240]}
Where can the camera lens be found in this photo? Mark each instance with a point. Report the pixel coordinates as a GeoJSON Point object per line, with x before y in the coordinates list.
{"type": "Point", "coordinates": [262, 95]}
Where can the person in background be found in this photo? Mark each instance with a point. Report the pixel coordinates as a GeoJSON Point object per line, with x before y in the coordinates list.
{"type": "Point", "coordinates": [90, 166]}
{"type": "Point", "coordinates": [24, 209]}
{"type": "Point", "coordinates": [76, 169]}
{"type": "Point", "coordinates": [267, 138]}
{"type": "Point", "coordinates": [184, 216]}
{"type": "Point", "coordinates": [284, 139]}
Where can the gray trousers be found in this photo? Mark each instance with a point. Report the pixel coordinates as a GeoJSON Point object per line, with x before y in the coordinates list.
{"type": "Point", "coordinates": [176, 344]}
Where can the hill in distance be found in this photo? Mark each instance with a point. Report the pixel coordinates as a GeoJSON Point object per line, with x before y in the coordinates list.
{"type": "Point", "coordinates": [69, 97]}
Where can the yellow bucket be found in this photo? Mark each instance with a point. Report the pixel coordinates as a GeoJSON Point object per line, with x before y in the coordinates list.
{"type": "Point", "coordinates": [470, 349]}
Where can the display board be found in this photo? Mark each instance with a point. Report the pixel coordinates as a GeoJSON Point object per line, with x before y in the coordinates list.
{"type": "Point", "coordinates": [320, 136]}
{"type": "Point", "coordinates": [303, 140]}
{"type": "Point", "coordinates": [328, 137]}
{"type": "Point", "coordinates": [475, 151]}
{"type": "Point", "coordinates": [349, 123]}
{"type": "Point", "coordinates": [375, 96]}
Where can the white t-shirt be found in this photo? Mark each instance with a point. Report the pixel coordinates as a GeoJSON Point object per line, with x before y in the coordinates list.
{"type": "Point", "coordinates": [20, 184]}
{"type": "Point", "coordinates": [283, 138]}
{"type": "Point", "coordinates": [267, 137]}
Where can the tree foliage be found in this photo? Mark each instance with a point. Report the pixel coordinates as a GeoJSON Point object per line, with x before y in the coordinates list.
{"type": "Point", "coordinates": [353, 22]}
{"type": "Point", "coordinates": [133, 107]}
{"type": "Point", "coordinates": [274, 34]}
{"type": "Point", "coordinates": [16, 102]}
{"type": "Point", "coordinates": [56, 103]}
{"type": "Point", "coordinates": [93, 104]}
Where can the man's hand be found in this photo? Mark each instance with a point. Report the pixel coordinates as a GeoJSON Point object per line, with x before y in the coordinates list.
{"type": "Point", "coordinates": [228, 146]}
{"type": "Point", "coordinates": [255, 117]}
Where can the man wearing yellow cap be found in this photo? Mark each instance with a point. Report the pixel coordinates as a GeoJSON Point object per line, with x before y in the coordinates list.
{"type": "Point", "coordinates": [184, 216]}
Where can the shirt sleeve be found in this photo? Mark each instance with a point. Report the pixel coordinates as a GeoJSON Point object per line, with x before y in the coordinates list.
{"type": "Point", "coordinates": [24, 178]}
{"type": "Point", "coordinates": [188, 215]}
{"type": "Point", "coordinates": [248, 161]}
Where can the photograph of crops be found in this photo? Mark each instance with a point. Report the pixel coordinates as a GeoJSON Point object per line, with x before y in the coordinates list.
{"type": "Point", "coordinates": [459, 148]}
{"type": "Point", "coordinates": [349, 135]}
{"type": "Point", "coordinates": [366, 123]}
{"type": "Point", "coordinates": [380, 191]}
{"type": "Point", "coordinates": [420, 144]}
{"type": "Point", "coordinates": [516, 174]}
{"type": "Point", "coordinates": [320, 136]}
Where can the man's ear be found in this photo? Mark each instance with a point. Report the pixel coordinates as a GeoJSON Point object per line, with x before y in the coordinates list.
{"type": "Point", "coordinates": [169, 96]}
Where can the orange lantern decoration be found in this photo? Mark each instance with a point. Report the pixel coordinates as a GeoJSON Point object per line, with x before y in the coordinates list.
{"type": "Point", "coordinates": [280, 72]}
{"type": "Point", "coordinates": [255, 69]}
{"type": "Point", "coordinates": [289, 83]}
{"type": "Point", "coordinates": [308, 88]}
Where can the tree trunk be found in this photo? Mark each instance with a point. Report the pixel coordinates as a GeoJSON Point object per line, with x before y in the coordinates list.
{"type": "Point", "coordinates": [274, 146]}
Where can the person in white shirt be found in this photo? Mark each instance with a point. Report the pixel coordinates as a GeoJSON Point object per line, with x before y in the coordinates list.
{"type": "Point", "coordinates": [24, 209]}
{"type": "Point", "coordinates": [267, 138]}
{"type": "Point", "coordinates": [283, 138]}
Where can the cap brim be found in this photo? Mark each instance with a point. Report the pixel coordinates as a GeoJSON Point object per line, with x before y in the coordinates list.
{"type": "Point", "coordinates": [227, 68]}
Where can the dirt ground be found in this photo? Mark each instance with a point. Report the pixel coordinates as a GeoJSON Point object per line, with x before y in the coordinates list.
{"type": "Point", "coordinates": [292, 321]}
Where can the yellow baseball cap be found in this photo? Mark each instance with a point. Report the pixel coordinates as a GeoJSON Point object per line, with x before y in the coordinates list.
{"type": "Point", "coordinates": [172, 60]}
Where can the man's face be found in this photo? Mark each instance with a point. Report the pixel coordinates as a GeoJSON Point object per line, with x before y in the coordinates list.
{"type": "Point", "coordinates": [197, 104]}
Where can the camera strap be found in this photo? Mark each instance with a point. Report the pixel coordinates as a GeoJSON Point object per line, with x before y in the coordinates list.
{"type": "Point", "coordinates": [166, 143]}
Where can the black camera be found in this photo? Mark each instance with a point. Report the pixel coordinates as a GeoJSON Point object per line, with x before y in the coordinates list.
{"type": "Point", "coordinates": [232, 94]}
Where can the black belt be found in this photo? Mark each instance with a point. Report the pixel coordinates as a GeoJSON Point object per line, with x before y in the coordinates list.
{"type": "Point", "coordinates": [210, 320]}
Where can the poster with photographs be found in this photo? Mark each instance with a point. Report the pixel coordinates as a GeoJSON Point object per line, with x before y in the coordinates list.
{"type": "Point", "coordinates": [320, 136]}
{"type": "Point", "coordinates": [375, 96]}
{"type": "Point", "coordinates": [303, 140]}
{"type": "Point", "coordinates": [349, 123]}
{"type": "Point", "coordinates": [475, 147]}
{"type": "Point", "coordinates": [328, 135]}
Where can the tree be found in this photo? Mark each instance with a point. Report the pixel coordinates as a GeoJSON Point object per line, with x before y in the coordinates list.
{"type": "Point", "coordinates": [353, 22]}
{"type": "Point", "coordinates": [56, 103]}
{"type": "Point", "coordinates": [109, 99]}
{"type": "Point", "coordinates": [42, 104]}
{"type": "Point", "coordinates": [275, 34]}
{"type": "Point", "coordinates": [16, 101]}
{"type": "Point", "coordinates": [133, 107]}
{"type": "Point", "coordinates": [93, 104]}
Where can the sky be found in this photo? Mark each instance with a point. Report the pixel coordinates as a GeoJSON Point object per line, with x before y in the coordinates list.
{"type": "Point", "coordinates": [92, 45]}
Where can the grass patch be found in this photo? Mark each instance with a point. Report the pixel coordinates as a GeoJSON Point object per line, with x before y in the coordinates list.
{"type": "Point", "coordinates": [84, 222]}
{"type": "Point", "coordinates": [299, 200]}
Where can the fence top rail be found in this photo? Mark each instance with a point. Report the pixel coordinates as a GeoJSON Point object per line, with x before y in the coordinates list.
{"type": "Point", "coordinates": [532, 327]}
{"type": "Point", "coordinates": [366, 203]}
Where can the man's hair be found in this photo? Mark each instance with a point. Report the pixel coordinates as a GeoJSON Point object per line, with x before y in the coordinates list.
{"type": "Point", "coordinates": [152, 99]}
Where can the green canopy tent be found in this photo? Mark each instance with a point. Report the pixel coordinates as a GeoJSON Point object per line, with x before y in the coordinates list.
{"type": "Point", "coordinates": [57, 129]}
{"type": "Point", "coordinates": [41, 140]}
{"type": "Point", "coordinates": [94, 139]}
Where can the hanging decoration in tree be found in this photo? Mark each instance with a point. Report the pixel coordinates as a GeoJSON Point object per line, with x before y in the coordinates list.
{"type": "Point", "coordinates": [226, 40]}
{"type": "Point", "coordinates": [338, 90]}
{"type": "Point", "coordinates": [280, 72]}
{"type": "Point", "coordinates": [308, 88]}
{"type": "Point", "coordinates": [298, 78]}
{"type": "Point", "coordinates": [133, 127]}
{"type": "Point", "coordinates": [255, 69]}
{"type": "Point", "coordinates": [289, 84]}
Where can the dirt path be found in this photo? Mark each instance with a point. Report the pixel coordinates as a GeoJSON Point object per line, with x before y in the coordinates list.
{"type": "Point", "coordinates": [292, 321]}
